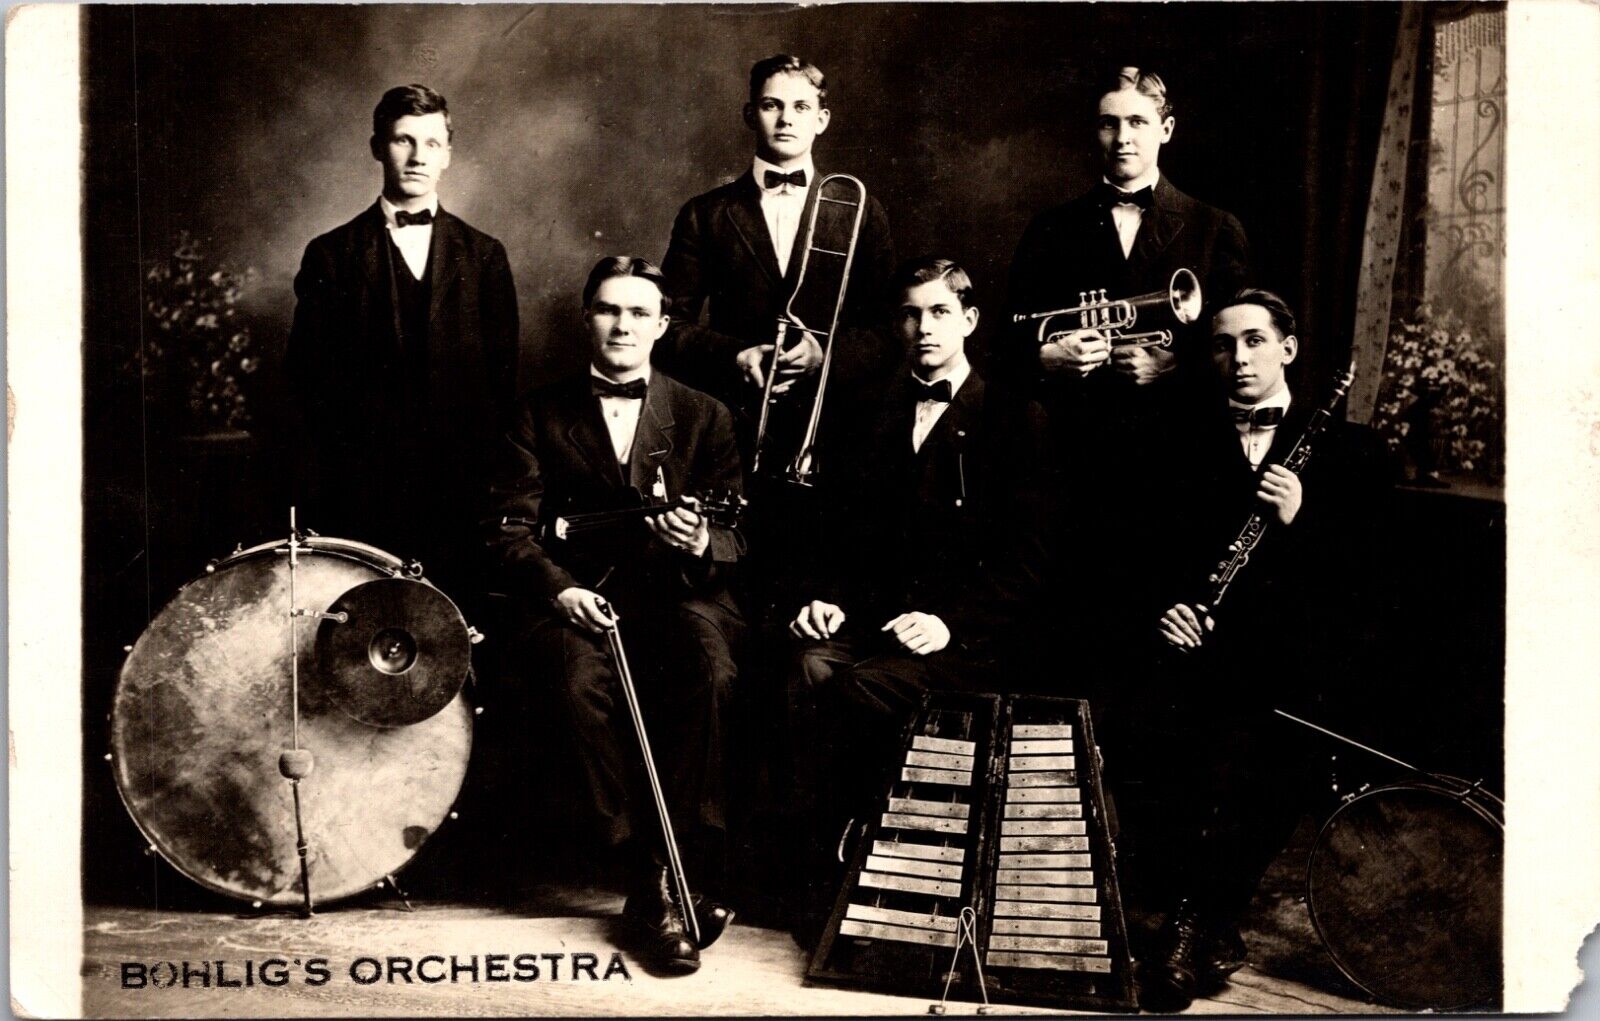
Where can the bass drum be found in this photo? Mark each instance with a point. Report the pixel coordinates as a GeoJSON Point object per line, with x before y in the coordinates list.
{"type": "Point", "coordinates": [1403, 887]}
{"type": "Point", "coordinates": [203, 710]}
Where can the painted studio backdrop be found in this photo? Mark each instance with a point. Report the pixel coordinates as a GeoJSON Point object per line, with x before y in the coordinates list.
{"type": "Point", "coordinates": [222, 139]}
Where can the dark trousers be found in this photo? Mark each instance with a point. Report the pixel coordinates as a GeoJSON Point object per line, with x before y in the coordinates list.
{"type": "Point", "coordinates": [681, 658]}
{"type": "Point", "coordinates": [849, 700]}
{"type": "Point", "coordinates": [1209, 784]}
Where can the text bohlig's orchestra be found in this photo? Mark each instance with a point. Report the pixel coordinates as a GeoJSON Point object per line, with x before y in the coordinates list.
{"type": "Point", "coordinates": [982, 596]}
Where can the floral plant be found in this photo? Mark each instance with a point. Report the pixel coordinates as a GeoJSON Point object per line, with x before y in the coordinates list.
{"type": "Point", "coordinates": [194, 334]}
{"type": "Point", "coordinates": [1441, 391]}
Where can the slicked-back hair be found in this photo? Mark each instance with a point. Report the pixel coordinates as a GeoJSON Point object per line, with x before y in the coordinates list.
{"type": "Point", "coordinates": [1146, 83]}
{"type": "Point", "coordinates": [916, 272]}
{"type": "Point", "coordinates": [784, 63]}
{"type": "Point", "coordinates": [1277, 309]}
{"type": "Point", "coordinates": [408, 101]}
{"type": "Point", "coordinates": [625, 266]}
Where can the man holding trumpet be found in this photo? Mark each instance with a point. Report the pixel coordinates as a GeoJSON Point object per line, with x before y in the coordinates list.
{"type": "Point", "coordinates": [1114, 399]}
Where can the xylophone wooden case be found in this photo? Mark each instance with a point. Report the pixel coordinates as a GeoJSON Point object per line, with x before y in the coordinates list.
{"type": "Point", "coordinates": [995, 804]}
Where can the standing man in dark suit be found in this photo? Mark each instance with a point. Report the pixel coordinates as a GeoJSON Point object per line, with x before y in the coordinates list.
{"type": "Point", "coordinates": [937, 556]}
{"type": "Point", "coordinates": [737, 250]}
{"type": "Point", "coordinates": [403, 354]}
{"type": "Point", "coordinates": [593, 442]}
{"type": "Point", "coordinates": [1113, 410]}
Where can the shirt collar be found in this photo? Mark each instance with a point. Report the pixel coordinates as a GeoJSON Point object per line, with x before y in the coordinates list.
{"type": "Point", "coordinates": [389, 208]}
{"type": "Point", "coordinates": [759, 168]}
{"type": "Point", "coordinates": [957, 375]}
{"type": "Point", "coordinates": [1277, 400]}
{"type": "Point", "coordinates": [1146, 179]}
{"type": "Point", "coordinates": [642, 373]}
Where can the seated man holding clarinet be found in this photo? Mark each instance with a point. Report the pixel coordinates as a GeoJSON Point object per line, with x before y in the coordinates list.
{"type": "Point", "coordinates": [614, 501]}
{"type": "Point", "coordinates": [1258, 554]}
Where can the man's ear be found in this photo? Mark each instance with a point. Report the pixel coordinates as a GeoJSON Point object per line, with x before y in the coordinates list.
{"type": "Point", "coordinates": [971, 316]}
{"type": "Point", "coordinates": [750, 116]}
{"type": "Point", "coordinates": [377, 148]}
{"type": "Point", "coordinates": [824, 115]}
{"type": "Point", "coordinates": [1166, 129]}
{"type": "Point", "coordinates": [1291, 347]}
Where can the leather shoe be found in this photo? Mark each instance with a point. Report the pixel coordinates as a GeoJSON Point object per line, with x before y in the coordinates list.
{"type": "Point", "coordinates": [664, 938]}
{"type": "Point", "coordinates": [1224, 953]}
{"type": "Point", "coordinates": [1170, 977]}
{"type": "Point", "coordinates": [714, 919]}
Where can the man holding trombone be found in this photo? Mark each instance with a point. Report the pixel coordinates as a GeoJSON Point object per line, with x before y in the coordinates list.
{"type": "Point", "coordinates": [738, 250]}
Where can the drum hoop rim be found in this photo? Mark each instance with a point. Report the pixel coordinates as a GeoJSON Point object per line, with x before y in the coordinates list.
{"type": "Point", "coordinates": [348, 549]}
{"type": "Point", "coordinates": [1428, 784]}
{"type": "Point", "coordinates": [171, 859]}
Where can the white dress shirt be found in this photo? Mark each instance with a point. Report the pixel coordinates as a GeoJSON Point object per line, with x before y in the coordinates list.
{"type": "Point", "coordinates": [412, 239]}
{"type": "Point", "coordinates": [1255, 439]}
{"type": "Point", "coordinates": [1128, 216]}
{"type": "Point", "coordinates": [782, 207]}
{"type": "Point", "coordinates": [621, 414]}
{"type": "Point", "coordinates": [929, 412]}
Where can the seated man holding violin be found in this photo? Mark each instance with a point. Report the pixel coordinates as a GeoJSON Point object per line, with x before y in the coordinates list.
{"type": "Point", "coordinates": [604, 509]}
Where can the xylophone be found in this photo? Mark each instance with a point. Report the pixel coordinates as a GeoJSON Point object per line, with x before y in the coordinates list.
{"type": "Point", "coordinates": [995, 805]}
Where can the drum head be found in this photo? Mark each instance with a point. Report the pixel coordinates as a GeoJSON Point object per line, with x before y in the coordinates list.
{"type": "Point", "coordinates": [1403, 886]}
{"type": "Point", "coordinates": [400, 654]}
{"type": "Point", "coordinates": [203, 711]}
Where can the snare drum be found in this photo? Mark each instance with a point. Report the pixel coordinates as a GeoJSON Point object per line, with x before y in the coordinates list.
{"type": "Point", "coordinates": [1403, 887]}
{"type": "Point", "coordinates": [203, 709]}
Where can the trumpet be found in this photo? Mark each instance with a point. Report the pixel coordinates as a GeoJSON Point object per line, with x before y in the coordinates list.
{"type": "Point", "coordinates": [1161, 312]}
{"type": "Point", "coordinates": [845, 199]}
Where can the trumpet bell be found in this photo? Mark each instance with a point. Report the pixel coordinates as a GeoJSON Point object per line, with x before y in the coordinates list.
{"type": "Point", "coordinates": [1183, 294]}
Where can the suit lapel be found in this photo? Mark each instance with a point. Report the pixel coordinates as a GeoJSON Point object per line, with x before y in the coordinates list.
{"type": "Point", "coordinates": [588, 433]}
{"type": "Point", "coordinates": [952, 428]}
{"type": "Point", "coordinates": [378, 273]}
{"type": "Point", "coordinates": [445, 254]}
{"type": "Point", "coordinates": [1161, 223]}
{"type": "Point", "coordinates": [744, 212]}
{"type": "Point", "coordinates": [652, 440]}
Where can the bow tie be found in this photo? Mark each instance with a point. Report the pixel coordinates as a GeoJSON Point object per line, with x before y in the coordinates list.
{"type": "Point", "coordinates": [421, 218]}
{"type": "Point", "coordinates": [775, 179]}
{"type": "Point", "coordinates": [940, 391]}
{"type": "Point", "coordinates": [1111, 196]}
{"type": "Point", "coordinates": [1258, 418]}
{"type": "Point", "coordinates": [632, 390]}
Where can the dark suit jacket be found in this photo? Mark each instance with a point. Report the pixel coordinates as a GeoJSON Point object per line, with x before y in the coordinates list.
{"type": "Point", "coordinates": [400, 438]}
{"type": "Point", "coordinates": [956, 529]}
{"type": "Point", "coordinates": [556, 459]}
{"type": "Point", "coordinates": [1074, 248]}
{"type": "Point", "coordinates": [1300, 603]}
{"type": "Point", "coordinates": [721, 254]}
{"type": "Point", "coordinates": [1115, 438]}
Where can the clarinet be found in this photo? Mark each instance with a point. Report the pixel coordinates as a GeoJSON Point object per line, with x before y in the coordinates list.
{"type": "Point", "coordinates": [1250, 535]}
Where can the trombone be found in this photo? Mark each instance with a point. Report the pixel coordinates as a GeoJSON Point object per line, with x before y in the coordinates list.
{"type": "Point", "coordinates": [1178, 304]}
{"type": "Point", "coordinates": [834, 190]}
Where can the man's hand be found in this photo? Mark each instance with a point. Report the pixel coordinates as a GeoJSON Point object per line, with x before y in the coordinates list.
{"type": "Point", "coordinates": [1185, 627]}
{"type": "Point", "coordinates": [818, 620]}
{"type": "Point", "coordinates": [1143, 365]}
{"type": "Point", "coordinates": [682, 528]}
{"type": "Point", "coordinates": [919, 633]}
{"type": "Point", "coordinates": [586, 609]}
{"type": "Point", "coordinates": [1280, 489]}
{"type": "Point", "coordinates": [1077, 353]}
{"type": "Point", "coordinates": [802, 358]}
